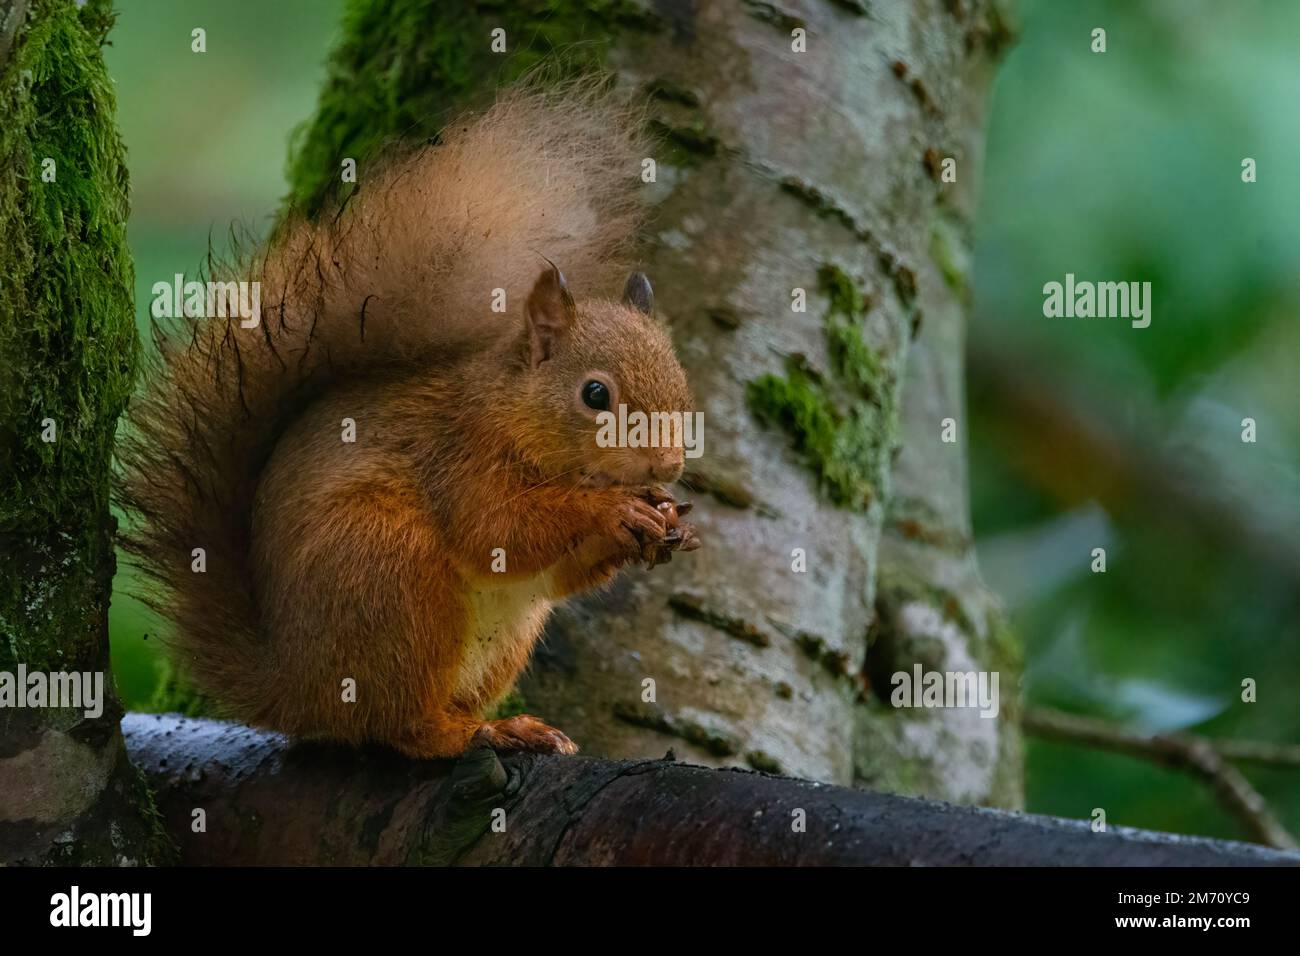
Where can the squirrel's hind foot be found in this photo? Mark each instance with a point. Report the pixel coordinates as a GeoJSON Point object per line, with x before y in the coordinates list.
{"type": "Point", "coordinates": [523, 732]}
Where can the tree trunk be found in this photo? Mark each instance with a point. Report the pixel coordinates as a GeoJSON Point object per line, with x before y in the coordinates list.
{"type": "Point", "coordinates": [68, 794]}
{"type": "Point", "coordinates": [793, 248]}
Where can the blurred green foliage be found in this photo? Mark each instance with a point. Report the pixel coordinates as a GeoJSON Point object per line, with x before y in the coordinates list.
{"type": "Point", "coordinates": [1117, 166]}
{"type": "Point", "coordinates": [1126, 166]}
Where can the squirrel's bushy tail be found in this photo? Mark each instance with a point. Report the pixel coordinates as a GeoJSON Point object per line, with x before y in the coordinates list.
{"type": "Point", "coordinates": [404, 270]}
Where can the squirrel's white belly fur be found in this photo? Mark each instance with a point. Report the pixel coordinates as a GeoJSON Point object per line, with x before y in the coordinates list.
{"type": "Point", "coordinates": [505, 620]}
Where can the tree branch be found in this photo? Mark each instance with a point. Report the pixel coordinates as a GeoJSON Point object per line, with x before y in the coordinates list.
{"type": "Point", "coordinates": [265, 802]}
{"type": "Point", "coordinates": [1199, 756]}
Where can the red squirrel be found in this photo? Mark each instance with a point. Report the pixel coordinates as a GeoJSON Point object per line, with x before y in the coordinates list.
{"type": "Point", "coordinates": [420, 559]}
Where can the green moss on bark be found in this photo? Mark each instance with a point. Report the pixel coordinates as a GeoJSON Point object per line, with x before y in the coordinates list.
{"type": "Point", "coordinates": [843, 423]}
{"type": "Point", "coordinates": [384, 84]}
{"type": "Point", "coordinates": [68, 353]}
{"type": "Point", "coordinates": [67, 333]}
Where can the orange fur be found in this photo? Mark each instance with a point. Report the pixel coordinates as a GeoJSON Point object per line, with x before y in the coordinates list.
{"type": "Point", "coordinates": [373, 560]}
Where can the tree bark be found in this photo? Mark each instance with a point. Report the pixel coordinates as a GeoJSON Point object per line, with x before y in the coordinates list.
{"type": "Point", "coordinates": [68, 794]}
{"type": "Point", "coordinates": [788, 176]}
{"type": "Point", "coordinates": [931, 604]}
{"type": "Point", "coordinates": [235, 796]}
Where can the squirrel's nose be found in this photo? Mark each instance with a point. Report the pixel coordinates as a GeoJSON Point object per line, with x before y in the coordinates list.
{"type": "Point", "coordinates": [666, 463]}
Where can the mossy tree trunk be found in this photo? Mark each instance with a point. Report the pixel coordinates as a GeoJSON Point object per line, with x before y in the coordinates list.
{"type": "Point", "coordinates": [67, 361]}
{"type": "Point", "coordinates": [799, 165]}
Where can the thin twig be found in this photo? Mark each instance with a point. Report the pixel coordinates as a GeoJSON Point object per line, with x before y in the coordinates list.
{"type": "Point", "coordinates": [1257, 751]}
{"type": "Point", "coordinates": [1203, 758]}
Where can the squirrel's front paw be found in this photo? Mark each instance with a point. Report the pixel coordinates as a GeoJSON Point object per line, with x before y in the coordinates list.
{"type": "Point", "coordinates": [524, 732]}
{"type": "Point", "coordinates": [638, 527]}
{"type": "Point", "coordinates": [648, 528]}
{"type": "Point", "coordinates": [679, 536]}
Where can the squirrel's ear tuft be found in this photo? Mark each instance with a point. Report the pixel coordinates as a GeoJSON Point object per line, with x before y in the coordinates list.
{"type": "Point", "coordinates": [637, 294]}
{"type": "Point", "coordinates": [550, 312]}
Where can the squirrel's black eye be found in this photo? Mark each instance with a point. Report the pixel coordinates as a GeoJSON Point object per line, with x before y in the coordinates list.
{"type": "Point", "coordinates": [596, 395]}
